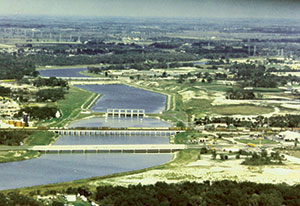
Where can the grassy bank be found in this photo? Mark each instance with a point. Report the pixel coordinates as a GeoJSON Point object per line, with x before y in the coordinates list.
{"type": "Point", "coordinates": [12, 156]}
{"type": "Point", "coordinates": [41, 138]}
{"type": "Point", "coordinates": [70, 107]}
{"type": "Point", "coordinates": [93, 98]}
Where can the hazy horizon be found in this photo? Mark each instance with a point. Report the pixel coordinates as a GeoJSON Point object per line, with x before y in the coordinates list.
{"type": "Point", "coordinates": [155, 8]}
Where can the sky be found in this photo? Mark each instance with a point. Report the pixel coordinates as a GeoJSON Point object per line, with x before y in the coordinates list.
{"type": "Point", "coordinates": [155, 8]}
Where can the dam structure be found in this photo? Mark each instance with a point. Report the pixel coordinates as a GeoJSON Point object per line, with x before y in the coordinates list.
{"type": "Point", "coordinates": [125, 113]}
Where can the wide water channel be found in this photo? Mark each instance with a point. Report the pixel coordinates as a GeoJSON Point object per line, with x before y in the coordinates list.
{"type": "Point", "coordinates": [55, 168]}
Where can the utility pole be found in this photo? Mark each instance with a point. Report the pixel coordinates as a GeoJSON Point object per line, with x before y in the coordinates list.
{"type": "Point", "coordinates": [249, 49]}
{"type": "Point", "coordinates": [254, 50]}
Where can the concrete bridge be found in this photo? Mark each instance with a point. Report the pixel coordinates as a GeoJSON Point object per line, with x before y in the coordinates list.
{"type": "Point", "coordinates": [138, 148]}
{"type": "Point", "coordinates": [77, 132]}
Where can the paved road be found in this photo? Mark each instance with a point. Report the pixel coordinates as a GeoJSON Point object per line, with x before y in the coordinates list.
{"type": "Point", "coordinates": [292, 159]}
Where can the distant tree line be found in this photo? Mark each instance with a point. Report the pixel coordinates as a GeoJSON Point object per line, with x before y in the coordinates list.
{"type": "Point", "coordinates": [124, 58]}
{"type": "Point", "coordinates": [13, 67]}
{"type": "Point", "coordinates": [288, 120]}
{"type": "Point", "coordinates": [252, 75]}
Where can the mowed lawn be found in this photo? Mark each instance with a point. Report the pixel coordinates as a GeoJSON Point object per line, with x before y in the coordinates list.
{"type": "Point", "coordinates": [241, 110]}
{"type": "Point", "coordinates": [70, 107]}
{"type": "Point", "coordinates": [40, 138]}
{"type": "Point", "coordinates": [256, 141]}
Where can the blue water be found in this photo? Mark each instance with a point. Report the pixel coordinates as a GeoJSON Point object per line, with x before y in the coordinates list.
{"type": "Point", "coordinates": [112, 139]}
{"type": "Point", "coordinates": [62, 72]}
{"type": "Point", "coordinates": [199, 63]}
{"type": "Point", "coordinates": [119, 122]}
{"type": "Point", "coordinates": [118, 96]}
{"type": "Point", "coordinates": [55, 168]}
{"type": "Point", "coordinates": [115, 139]}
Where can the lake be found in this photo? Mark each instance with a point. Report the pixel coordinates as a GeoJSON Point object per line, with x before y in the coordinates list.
{"type": "Point", "coordinates": [118, 96]}
{"type": "Point", "coordinates": [62, 72]}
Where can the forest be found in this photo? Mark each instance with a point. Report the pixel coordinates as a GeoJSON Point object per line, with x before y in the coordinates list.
{"type": "Point", "coordinates": [123, 58]}
{"type": "Point", "coordinates": [15, 198]}
{"type": "Point", "coordinates": [38, 113]}
{"type": "Point", "coordinates": [218, 193]}
{"type": "Point", "coordinates": [12, 67]}
{"type": "Point", "coordinates": [53, 95]}
{"type": "Point", "coordinates": [50, 82]}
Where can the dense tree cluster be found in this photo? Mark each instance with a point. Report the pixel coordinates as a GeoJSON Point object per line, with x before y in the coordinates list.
{"type": "Point", "coordinates": [4, 91]}
{"type": "Point", "coordinates": [166, 45]}
{"type": "Point", "coordinates": [190, 193]}
{"type": "Point", "coordinates": [264, 159]}
{"type": "Point", "coordinates": [237, 122]}
{"type": "Point", "coordinates": [51, 82]}
{"type": "Point", "coordinates": [53, 95]}
{"type": "Point", "coordinates": [14, 198]}
{"type": "Point", "coordinates": [256, 76]}
{"type": "Point", "coordinates": [124, 58]}
{"type": "Point", "coordinates": [95, 70]}
{"type": "Point", "coordinates": [40, 113]}
{"type": "Point", "coordinates": [239, 93]}
{"type": "Point", "coordinates": [12, 67]}
{"type": "Point", "coordinates": [288, 120]}
{"type": "Point", "coordinates": [13, 138]}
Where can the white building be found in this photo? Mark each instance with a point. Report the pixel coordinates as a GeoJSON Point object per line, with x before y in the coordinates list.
{"type": "Point", "coordinates": [289, 136]}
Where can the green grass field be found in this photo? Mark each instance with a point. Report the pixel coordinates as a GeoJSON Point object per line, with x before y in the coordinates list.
{"type": "Point", "coordinates": [256, 141]}
{"type": "Point", "coordinates": [12, 156]}
{"type": "Point", "coordinates": [241, 110]}
{"type": "Point", "coordinates": [40, 138]}
{"type": "Point", "coordinates": [70, 107]}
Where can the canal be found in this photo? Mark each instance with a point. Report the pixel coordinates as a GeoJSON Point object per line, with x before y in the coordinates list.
{"type": "Point", "coordinates": [55, 168]}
